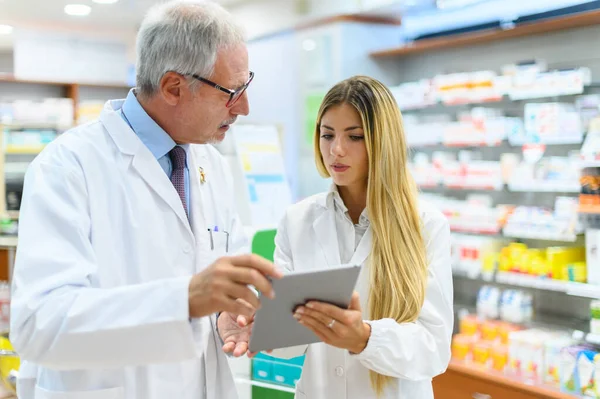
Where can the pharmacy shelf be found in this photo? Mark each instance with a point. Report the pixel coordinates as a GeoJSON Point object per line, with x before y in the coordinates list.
{"type": "Point", "coordinates": [514, 142]}
{"type": "Point", "coordinates": [113, 85]}
{"type": "Point", "coordinates": [533, 187]}
{"type": "Point", "coordinates": [569, 140]}
{"type": "Point", "coordinates": [491, 35]}
{"type": "Point", "coordinates": [589, 209]}
{"type": "Point", "coordinates": [261, 384]}
{"type": "Point", "coordinates": [536, 235]}
{"type": "Point", "coordinates": [13, 214]}
{"type": "Point", "coordinates": [545, 187]}
{"type": "Point", "coordinates": [590, 163]}
{"type": "Point", "coordinates": [523, 280]}
{"type": "Point", "coordinates": [7, 241]}
{"type": "Point", "coordinates": [593, 338]}
{"type": "Point", "coordinates": [526, 281]}
{"type": "Point", "coordinates": [28, 150]}
{"type": "Point", "coordinates": [514, 384]}
{"type": "Point", "coordinates": [456, 187]}
{"type": "Point", "coordinates": [487, 231]}
{"type": "Point", "coordinates": [35, 126]}
{"type": "Point", "coordinates": [505, 97]}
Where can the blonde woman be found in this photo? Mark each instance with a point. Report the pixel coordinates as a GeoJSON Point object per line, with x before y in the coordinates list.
{"type": "Point", "coordinates": [395, 336]}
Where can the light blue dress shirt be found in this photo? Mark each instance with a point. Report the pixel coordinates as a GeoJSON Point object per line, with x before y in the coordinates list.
{"type": "Point", "coordinates": [154, 137]}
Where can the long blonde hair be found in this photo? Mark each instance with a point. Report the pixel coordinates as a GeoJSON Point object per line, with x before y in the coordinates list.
{"type": "Point", "coordinates": [398, 261]}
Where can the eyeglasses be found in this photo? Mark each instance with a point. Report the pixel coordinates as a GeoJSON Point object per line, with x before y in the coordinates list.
{"type": "Point", "coordinates": [234, 95]}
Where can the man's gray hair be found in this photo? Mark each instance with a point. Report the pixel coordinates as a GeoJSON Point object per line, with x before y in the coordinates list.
{"type": "Point", "coordinates": [182, 37]}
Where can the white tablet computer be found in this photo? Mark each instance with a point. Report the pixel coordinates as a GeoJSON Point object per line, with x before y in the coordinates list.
{"type": "Point", "coordinates": [275, 326]}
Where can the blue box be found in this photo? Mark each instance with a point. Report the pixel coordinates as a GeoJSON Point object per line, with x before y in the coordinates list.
{"type": "Point", "coordinates": [262, 370]}
{"type": "Point", "coordinates": [298, 361]}
{"type": "Point", "coordinates": [286, 374]}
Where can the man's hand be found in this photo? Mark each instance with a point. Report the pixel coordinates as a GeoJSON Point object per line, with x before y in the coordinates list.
{"type": "Point", "coordinates": [218, 287]}
{"type": "Point", "coordinates": [235, 333]}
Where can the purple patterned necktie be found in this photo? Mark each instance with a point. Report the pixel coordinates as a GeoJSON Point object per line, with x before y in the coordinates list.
{"type": "Point", "coordinates": [177, 155]}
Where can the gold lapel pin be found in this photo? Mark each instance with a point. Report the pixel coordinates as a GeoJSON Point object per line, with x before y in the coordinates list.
{"type": "Point", "coordinates": [202, 175]}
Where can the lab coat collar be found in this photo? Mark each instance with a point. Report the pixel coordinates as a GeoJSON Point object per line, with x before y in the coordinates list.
{"type": "Point", "coordinates": [325, 230]}
{"type": "Point", "coordinates": [143, 161]}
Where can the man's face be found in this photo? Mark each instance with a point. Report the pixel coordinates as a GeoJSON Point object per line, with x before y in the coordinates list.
{"type": "Point", "coordinates": [204, 115]}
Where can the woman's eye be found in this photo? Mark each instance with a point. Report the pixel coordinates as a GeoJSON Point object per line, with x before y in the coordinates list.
{"type": "Point", "coordinates": [356, 138]}
{"type": "Point", "coordinates": [327, 136]}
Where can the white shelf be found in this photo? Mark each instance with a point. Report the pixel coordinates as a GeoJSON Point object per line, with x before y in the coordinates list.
{"type": "Point", "coordinates": [8, 241]}
{"type": "Point", "coordinates": [515, 142]}
{"type": "Point", "coordinates": [35, 126]}
{"type": "Point", "coordinates": [583, 290]}
{"type": "Point", "coordinates": [264, 385]}
{"type": "Point", "coordinates": [546, 284]}
{"type": "Point", "coordinates": [480, 230]}
{"type": "Point", "coordinates": [522, 280]}
{"type": "Point", "coordinates": [533, 235]}
{"type": "Point", "coordinates": [593, 338]}
{"type": "Point", "coordinates": [589, 163]}
{"type": "Point", "coordinates": [545, 187]}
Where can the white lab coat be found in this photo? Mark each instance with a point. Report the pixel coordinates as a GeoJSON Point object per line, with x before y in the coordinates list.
{"type": "Point", "coordinates": [105, 257]}
{"type": "Point", "coordinates": [412, 353]}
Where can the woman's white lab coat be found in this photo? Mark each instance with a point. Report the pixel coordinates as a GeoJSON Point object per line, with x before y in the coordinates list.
{"type": "Point", "coordinates": [105, 257]}
{"type": "Point", "coordinates": [412, 353]}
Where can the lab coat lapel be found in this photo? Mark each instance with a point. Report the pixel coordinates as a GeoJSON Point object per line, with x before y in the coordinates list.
{"type": "Point", "coordinates": [143, 161]}
{"type": "Point", "coordinates": [147, 166]}
{"type": "Point", "coordinates": [364, 248]}
{"type": "Point", "coordinates": [197, 194]}
{"type": "Point", "coordinates": [326, 234]}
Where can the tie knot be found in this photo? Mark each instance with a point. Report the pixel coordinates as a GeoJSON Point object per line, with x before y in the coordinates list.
{"type": "Point", "coordinates": [177, 155]}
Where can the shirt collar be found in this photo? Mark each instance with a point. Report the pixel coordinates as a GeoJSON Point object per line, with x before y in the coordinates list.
{"type": "Point", "coordinates": [153, 136]}
{"type": "Point", "coordinates": [334, 201]}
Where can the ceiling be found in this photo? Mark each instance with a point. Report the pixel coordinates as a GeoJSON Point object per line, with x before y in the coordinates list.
{"type": "Point", "coordinates": [123, 15]}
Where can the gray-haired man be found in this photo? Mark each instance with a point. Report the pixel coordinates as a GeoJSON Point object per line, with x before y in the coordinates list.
{"type": "Point", "coordinates": [128, 230]}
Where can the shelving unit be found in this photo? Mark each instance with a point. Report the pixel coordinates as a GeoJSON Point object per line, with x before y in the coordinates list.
{"type": "Point", "coordinates": [469, 381]}
{"type": "Point", "coordinates": [535, 187]}
{"type": "Point", "coordinates": [526, 281]}
{"type": "Point", "coordinates": [493, 35]}
{"type": "Point", "coordinates": [71, 89]}
{"type": "Point", "coordinates": [561, 42]}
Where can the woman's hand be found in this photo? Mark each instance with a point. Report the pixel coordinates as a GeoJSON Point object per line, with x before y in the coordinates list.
{"type": "Point", "coordinates": [342, 328]}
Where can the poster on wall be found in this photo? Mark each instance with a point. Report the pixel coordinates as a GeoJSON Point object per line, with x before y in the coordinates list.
{"type": "Point", "coordinates": [260, 157]}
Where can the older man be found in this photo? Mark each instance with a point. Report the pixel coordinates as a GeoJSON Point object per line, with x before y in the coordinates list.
{"type": "Point", "coordinates": [128, 232]}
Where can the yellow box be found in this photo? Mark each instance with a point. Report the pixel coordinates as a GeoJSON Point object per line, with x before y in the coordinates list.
{"type": "Point", "coordinates": [481, 353]}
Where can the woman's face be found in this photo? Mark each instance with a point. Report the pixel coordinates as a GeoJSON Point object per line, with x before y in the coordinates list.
{"type": "Point", "coordinates": [342, 144]}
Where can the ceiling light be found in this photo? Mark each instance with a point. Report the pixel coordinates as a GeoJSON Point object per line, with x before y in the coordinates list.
{"type": "Point", "coordinates": [6, 29]}
{"type": "Point", "coordinates": [78, 10]}
{"type": "Point", "coordinates": [105, 1]}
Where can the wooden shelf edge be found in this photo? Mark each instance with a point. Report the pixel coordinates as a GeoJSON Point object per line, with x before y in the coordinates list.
{"type": "Point", "coordinates": [359, 18]}
{"type": "Point", "coordinates": [114, 85]}
{"type": "Point", "coordinates": [499, 379]}
{"type": "Point", "coordinates": [526, 29]}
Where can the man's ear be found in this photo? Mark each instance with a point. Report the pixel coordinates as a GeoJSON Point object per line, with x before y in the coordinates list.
{"type": "Point", "coordinates": [171, 86]}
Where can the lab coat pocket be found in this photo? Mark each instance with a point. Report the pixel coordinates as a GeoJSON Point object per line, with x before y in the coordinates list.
{"type": "Point", "coordinates": [111, 393]}
{"type": "Point", "coordinates": [220, 243]}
